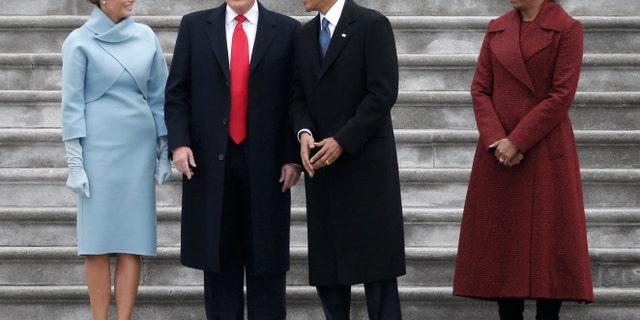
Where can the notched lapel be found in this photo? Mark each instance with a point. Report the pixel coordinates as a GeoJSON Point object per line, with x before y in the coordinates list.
{"type": "Point", "coordinates": [216, 34]}
{"type": "Point", "coordinates": [265, 33]}
{"type": "Point", "coordinates": [341, 36]}
{"type": "Point", "coordinates": [538, 40]}
{"type": "Point", "coordinates": [310, 43]}
{"type": "Point", "coordinates": [505, 45]}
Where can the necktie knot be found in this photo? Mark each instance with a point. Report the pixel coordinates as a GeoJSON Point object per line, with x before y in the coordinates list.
{"type": "Point", "coordinates": [241, 18]}
{"type": "Point", "coordinates": [325, 23]}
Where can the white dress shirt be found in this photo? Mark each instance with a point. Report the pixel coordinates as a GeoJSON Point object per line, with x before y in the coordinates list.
{"type": "Point", "coordinates": [250, 27]}
{"type": "Point", "coordinates": [333, 15]}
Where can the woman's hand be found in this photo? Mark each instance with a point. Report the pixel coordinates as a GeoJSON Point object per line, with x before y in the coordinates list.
{"type": "Point", "coordinates": [507, 153]}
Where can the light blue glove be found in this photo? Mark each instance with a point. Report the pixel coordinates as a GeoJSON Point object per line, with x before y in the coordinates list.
{"type": "Point", "coordinates": [77, 179]}
{"type": "Point", "coordinates": [163, 167]}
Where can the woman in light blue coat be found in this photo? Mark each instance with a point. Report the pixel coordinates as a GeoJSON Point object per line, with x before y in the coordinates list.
{"type": "Point", "coordinates": [113, 78]}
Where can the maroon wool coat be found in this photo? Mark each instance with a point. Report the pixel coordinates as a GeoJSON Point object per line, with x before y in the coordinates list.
{"type": "Point", "coordinates": [523, 231]}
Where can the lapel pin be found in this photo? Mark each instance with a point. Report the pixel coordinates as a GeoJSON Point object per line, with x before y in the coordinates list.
{"type": "Point", "coordinates": [344, 35]}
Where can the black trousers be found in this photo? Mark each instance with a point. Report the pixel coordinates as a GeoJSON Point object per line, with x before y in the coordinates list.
{"type": "Point", "coordinates": [512, 309]}
{"type": "Point", "coordinates": [383, 301]}
{"type": "Point", "coordinates": [224, 298]}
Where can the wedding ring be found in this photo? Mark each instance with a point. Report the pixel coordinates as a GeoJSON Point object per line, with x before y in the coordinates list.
{"type": "Point", "coordinates": [327, 162]}
{"type": "Point", "coordinates": [501, 160]}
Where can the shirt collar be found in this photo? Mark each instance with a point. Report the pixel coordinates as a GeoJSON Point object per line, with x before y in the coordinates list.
{"type": "Point", "coordinates": [251, 15]}
{"type": "Point", "coordinates": [333, 15]}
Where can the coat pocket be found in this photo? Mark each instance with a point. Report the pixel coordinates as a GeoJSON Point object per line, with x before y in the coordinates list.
{"type": "Point", "coordinates": [555, 143]}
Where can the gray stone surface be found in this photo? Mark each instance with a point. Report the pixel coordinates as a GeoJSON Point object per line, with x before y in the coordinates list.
{"type": "Point", "coordinates": [428, 34]}
{"type": "Point", "coordinates": [294, 7]}
{"type": "Point", "coordinates": [42, 278]}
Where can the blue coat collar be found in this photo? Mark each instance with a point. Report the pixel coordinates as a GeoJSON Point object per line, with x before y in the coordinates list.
{"type": "Point", "coordinates": [108, 31]}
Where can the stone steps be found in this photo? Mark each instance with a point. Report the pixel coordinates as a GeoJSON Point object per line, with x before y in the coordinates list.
{"type": "Point", "coordinates": [438, 42]}
{"type": "Point", "coordinates": [417, 148]}
{"type": "Point", "coordinates": [418, 72]}
{"type": "Point", "coordinates": [421, 187]}
{"type": "Point", "coordinates": [294, 7]}
{"type": "Point", "coordinates": [414, 34]}
{"type": "Point", "coordinates": [413, 110]}
{"type": "Point", "coordinates": [185, 302]}
{"type": "Point", "coordinates": [426, 266]}
{"type": "Point", "coordinates": [433, 227]}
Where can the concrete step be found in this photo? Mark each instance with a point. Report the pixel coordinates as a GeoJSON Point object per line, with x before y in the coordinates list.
{"type": "Point", "coordinates": [428, 267]}
{"type": "Point", "coordinates": [417, 148]}
{"type": "Point", "coordinates": [418, 72]}
{"type": "Point", "coordinates": [185, 302]}
{"type": "Point", "coordinates": [414, 110]}
{"type": "Point", "coordinates": [603, 188]}
{"type": "Point", "coordinates": [451, 72]}
{"type": "Point", "coordinates": [453, 110]}
{"type": "Point", "coordinates": [455, 148]}
{"type": "Point", "coordinates": [294, 7]}
{"type": "Point", "coordinates": [414, 34]}
{"type": "Point", "coordinates": [424, 227]}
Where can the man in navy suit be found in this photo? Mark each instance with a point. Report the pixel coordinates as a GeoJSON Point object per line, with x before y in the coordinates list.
{"type": "Point", "coordinates": [237, 166]}
{"type": "Point", "coordinates": [346, 84]}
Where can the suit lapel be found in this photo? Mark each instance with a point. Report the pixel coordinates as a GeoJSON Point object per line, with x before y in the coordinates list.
{"type": "Point", "coordinates": [265, 33]}
{"type": "Point", "coordinates": [215, 30]}
{"type": "Point", "coordinates": [537, 40]}
{"type": "Point", "coordinates": [309, 42]}
{"type": "Point", "coordinates": [341, 36]}
{"type": "Point", "coordinates": [506, 47]}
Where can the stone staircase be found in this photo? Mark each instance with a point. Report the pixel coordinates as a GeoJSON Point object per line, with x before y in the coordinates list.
{"type": "Point", "coordinates": [41, 276]}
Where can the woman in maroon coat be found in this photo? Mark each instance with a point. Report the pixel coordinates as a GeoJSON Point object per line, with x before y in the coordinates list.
{"type": "Point", "coordinates": [523, 232]}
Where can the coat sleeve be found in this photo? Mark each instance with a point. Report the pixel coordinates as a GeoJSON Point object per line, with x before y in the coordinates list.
{"type": "Point", "coordinates": [298, 106]}
{"type": "Point", "coordinates": [292, 148]}
{"type": "Point", "coordinates": [74, 66]}
{"type": "Point", "coordinates": [381, 78]}
{"type": "Point", "coordinates": [545, 116]}
{"type": "Point", "coordinates": [177, 95]}
{"type": "Point", "coordinates": [156, 86]}
{"type": "Point", "coordinates": [489, 125]}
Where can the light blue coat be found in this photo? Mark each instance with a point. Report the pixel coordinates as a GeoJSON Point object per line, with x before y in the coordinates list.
{"type": "Point", "coordinates": [113, 79]}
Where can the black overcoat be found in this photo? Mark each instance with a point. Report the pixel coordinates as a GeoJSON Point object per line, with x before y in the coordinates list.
{"type": "Point", "coordinates": [354, 208]}
{"type": "Point", "coordinates": [197, 113]}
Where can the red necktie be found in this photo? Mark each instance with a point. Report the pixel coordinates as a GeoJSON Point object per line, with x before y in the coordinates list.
{"type": "Point", "coordinates": [239, 82]}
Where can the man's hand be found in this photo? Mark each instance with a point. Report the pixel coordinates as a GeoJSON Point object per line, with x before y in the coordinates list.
{"type": "Point", "coordinates": [183, 161]}
{"type": "Point", "coordinates": [330, 151]}
{"type": "Point", "coordinates": [306, 144]}
{"type": "Point", "coordinates": [289, 175]}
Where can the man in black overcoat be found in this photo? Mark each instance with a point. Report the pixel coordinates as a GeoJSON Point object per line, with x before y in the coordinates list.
{"type": "Point", "coordinates": [341, 114]}
{"type": "Point", "coordinates": [236, 201]}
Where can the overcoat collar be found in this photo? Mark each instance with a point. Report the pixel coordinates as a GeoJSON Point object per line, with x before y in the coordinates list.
{"type": "Point", "coordinates": [108, 31]}
{"type": "Point", "coordinates": [505, 45]}
{"type": "Point", "coordinates": [341, 36]}
{"type": "Point", "coordinates": [265, 33]}
{"type": "Point", "coordinates": [110, 36]}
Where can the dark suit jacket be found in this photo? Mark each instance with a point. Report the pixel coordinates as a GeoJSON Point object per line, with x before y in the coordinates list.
{"type": "Point", "coordinates": [197, 113]}
{"type": "Point", "coordinates": [353, 206]}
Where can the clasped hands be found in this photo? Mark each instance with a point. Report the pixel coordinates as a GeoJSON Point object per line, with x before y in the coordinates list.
{"type": "Point", "coordinates": [507, 153]}
{"type": "Point", "coordinates": [330, 150]}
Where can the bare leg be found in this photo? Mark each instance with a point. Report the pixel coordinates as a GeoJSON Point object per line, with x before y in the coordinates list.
{"type": "Point", "coordinates": [98, 274]}
{"type": "Point", "coordinates": [126, 284]}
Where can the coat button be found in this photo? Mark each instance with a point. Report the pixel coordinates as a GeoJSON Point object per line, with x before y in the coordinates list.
{"type": "Point", "coordinates": [225, 121]}
{"type": "Point", "coordinates": [221, 156]}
